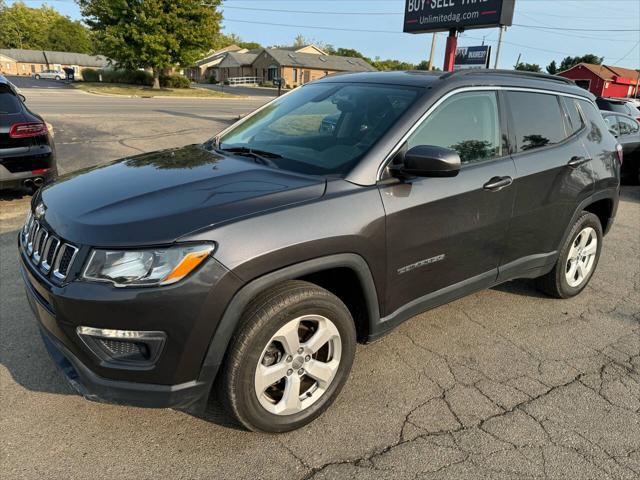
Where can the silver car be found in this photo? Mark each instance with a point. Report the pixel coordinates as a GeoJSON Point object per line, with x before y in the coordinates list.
{"type": "Point", "coordinates": [51, 74]}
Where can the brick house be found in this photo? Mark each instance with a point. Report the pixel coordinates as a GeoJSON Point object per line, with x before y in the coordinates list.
{"type": "Point", "coordinates": [27, 62]}
{"type": "Point", "coordinates": [207, 66]}
{"type": "Point", "coordinates": [604, 80]}
{"type": "Point", "coordinates": [295, 66]}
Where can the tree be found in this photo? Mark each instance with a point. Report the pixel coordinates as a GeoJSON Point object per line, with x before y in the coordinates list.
{"type": "Point", "coordinates": [552, 68]}
{"type": "Point", "coordinates": [570, 62]}
{"type": "Point", "coordinates": [41, 29]}
{"type": "Point", "coordinates": [300, 41]}
{"type": "Point", "coordinates": [528, 67]}
{"type": "Point", "coordinates": [155, 34]}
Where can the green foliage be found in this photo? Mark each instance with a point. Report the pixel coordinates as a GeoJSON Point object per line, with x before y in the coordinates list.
{"type": "Point", "coordinates": [221, 41]}
{"type": "Point", "coordinates": [528, 67]}
{"type": "Point", "coordinates": [212, 80]}
{"type": "Point", "coordinates": [552, 68]}
{"type": "Point", "coordinates": [174, 81]}
{"type": "Point", "coordinates": [570, 62]}
{"type": "Point", "coordinates": [90, 75]}
{"type": "Point", "coordinates": [157, 34]}
{"type": "Point", "coordinates": [41, 29]}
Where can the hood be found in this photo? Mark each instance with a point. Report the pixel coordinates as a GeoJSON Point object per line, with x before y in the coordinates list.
{"type": "Point", "coordinates": [156, 198]}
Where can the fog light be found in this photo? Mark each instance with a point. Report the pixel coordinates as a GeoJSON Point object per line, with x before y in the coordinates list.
{"type": "Point", "coordinates": [123, 348]}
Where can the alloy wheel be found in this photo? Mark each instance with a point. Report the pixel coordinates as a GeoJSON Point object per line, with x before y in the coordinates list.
{"type": "Point", "coordinates": [298, 365]}
{"type": "Point", "coordinates": [582, 256]}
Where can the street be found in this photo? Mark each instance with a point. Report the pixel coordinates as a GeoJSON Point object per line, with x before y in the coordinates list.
{"type": "Point", "coordinates": [506, 383]}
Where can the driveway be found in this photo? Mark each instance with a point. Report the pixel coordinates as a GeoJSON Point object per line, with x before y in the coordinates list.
{"type": "Point", "coordinates": [503, 384]}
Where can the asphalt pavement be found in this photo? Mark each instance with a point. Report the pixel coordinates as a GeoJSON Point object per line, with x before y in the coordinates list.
{"type": "Point", "coordinates": [503, 384]}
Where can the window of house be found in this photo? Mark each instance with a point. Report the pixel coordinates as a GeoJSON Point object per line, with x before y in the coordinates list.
{"type": "Point", "coordinates": [538, 120]}
{"type": "Point", "coordinates": [295, 74]}
{"type": "Point", "coordinates": [467, 123]}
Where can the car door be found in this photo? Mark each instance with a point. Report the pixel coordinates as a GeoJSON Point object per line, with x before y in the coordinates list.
{"type": "Point", "coordinates": [445, 236]}
{"type": "Point", "coordinates": [553, 177]}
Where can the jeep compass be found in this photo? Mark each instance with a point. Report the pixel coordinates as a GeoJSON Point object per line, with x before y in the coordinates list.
{"type": "Point", "coordinates": [251, 265]}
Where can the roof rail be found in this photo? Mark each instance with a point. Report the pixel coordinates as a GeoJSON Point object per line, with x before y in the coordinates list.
{"type": "Point", "coordinates": [517, 73]}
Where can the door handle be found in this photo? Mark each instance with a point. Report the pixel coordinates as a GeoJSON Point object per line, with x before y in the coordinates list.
{"type": "Point", "coordinates": [575, 162]}
{"type": "Point", "coordinates": [498, 183]}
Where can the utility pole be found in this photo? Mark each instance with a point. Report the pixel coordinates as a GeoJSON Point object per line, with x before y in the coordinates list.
{"type": "Point", "coordinates": [517, 61]}
{"type": "Point", "coordinates": [499, 47]}
{"type": "Point", "coordinates": [433, 51]}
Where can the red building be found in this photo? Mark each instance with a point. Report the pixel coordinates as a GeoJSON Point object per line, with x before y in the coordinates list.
{"type": "Point", "coordinates": [604, 80]}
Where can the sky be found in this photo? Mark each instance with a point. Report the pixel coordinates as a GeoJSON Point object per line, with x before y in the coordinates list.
{"type": "Point", "coordinates": [374, 27]}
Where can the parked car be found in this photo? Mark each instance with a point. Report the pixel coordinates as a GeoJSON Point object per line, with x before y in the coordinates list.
{"type": "Point", "coordinates": [627, 131]}
{"type": "Point", "coordinates": [619, 106]}
{"type": "Point", "coordinates": [50, 74]}
{"type": "Point", "coordinates": [27, 152]}
{"type": "Point", "coordinates": [258, 259]}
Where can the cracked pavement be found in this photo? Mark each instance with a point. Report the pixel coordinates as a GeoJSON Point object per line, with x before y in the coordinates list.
{"type": "Point", "coordinates": [503, 384]}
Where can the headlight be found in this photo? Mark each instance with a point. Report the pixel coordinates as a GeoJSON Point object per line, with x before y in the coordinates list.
{"type": "Point", "coordinates": [136, 268]}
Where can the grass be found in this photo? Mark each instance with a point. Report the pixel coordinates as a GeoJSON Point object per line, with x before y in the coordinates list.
{"type": "Point", "coordinates": [141, 91]}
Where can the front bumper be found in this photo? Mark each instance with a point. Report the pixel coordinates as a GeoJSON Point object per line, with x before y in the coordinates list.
{"type": "Point", "coordinates": [186, 311]}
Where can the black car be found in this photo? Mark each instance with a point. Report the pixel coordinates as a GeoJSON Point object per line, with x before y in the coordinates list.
{"type": "Point", "coordinates": [619, 106]}
{"type": "Point", "coordinates": [252, 264]}
{"type": "Point", "coordinates": [27, 152]}
{"type": "Point", "coordinates": [627, 131]}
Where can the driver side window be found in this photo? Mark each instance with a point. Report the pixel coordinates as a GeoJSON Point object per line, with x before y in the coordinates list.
{"type": "Point", "coordinates": [467, 123]}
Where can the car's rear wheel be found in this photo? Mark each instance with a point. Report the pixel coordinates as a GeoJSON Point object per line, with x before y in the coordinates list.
{"type": "Point", "coordinates": [577, 261]}
{"type": "Point", "coordinates": [37, 77]}
{"type": "Point", "coordinates": [57, 77]}
{"type": "Point", "coordinates": [289, 359]}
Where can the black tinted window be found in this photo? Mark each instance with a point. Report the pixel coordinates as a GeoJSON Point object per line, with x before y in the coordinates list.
{"type": "Point", "coordinates": [467, 123]}
{"type": "Point", "coordinates": [537, 120]}
{"type": "Point", "coordinates": [9, 103]}
{"type": "Point", "coordinates": [575, 120]}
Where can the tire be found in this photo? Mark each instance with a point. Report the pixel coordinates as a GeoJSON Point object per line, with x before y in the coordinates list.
{"type": "Point", "coordinates": [293, 306]}
{"type": "Point", "coordinates": [565, 281]}
{"type": "Point", "coordinates": [57, 78]}
{"type": "Point", "coordinates": [37, 77]}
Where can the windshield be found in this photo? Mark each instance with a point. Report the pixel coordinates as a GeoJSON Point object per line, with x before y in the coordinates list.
{"type": "Point", "coordinates": [321, 129]}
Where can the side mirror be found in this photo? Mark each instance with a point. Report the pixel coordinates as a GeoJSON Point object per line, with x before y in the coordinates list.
{"type": "Point", "coordinates": [430, 161]}
{"type": "Point", "coordinates": [614, 133]}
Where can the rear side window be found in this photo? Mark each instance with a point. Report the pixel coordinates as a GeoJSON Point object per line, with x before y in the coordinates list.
{"type": "Point", "coordinates": [627, 126]}
{"type": "Point", "coordinates": [612, 123]}
{"type": "Point", "coordinates": [9, 103]}
{"type": "Point", "coordinates": [596, 125]}
{"type": "Point", "coordinates": [467, 123]}
{"type": "Point", "coordinates": [575, 120]}
{"type": "Point", "coordinates": [537, 118]}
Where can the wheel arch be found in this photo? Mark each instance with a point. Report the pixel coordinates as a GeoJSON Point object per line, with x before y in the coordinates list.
{"type": "Point", "coordinates": [316, 269]}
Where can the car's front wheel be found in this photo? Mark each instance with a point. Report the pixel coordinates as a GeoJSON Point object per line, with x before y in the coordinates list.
{"type": "Point", "coordinates": [58, 77]}
{"type": "Point", "coordinates": [289, 359]}
{"type": "Point", "coordinates": [37, 77]}
{"type": "Point", "coordinates": [577, 261]}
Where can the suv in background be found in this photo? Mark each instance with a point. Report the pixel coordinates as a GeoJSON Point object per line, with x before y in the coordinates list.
{"type": "Point", "coordinates": [27, 152]}
{"type": "Point", "coordinates": [251, 265]}
{"type": "Point", "coordinates": [627, 131]}
{"type": "Point", "coordinates": [625, 107]}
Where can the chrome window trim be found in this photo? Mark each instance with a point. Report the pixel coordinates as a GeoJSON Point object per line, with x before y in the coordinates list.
{"type": "Point", "coordinates": [448, 95]}
{"type": "Point", "coordinates": [56, 268]}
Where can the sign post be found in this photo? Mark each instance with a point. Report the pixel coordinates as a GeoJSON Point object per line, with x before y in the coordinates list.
{"type": "Point", "coordinates": [424, 16]}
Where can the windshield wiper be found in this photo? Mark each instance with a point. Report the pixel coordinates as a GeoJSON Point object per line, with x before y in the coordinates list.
{"type": "Point", "coordinates": [260, 156]}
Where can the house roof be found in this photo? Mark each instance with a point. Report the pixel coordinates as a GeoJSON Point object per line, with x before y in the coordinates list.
{"type": "Point", "coordinates": [218, 54]}
{"type": "Point", "coordinates": [321, 62]}
{"type": "Point", "coordinates": [63, 58]}
{"type": "Point", "coordinates": [234, 59]}
{"type": "Point", "coordinates": [608, 72]}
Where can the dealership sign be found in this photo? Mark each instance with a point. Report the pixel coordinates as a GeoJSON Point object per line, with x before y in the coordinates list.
{"type": "Point", "coordinates": [472, 57]}
{"type": "Point", "coordinates": [442, 15]}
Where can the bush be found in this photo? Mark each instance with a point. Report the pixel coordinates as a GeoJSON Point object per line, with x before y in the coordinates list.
{"type": "Point", "coordinates": [174, 81]}
{"type": "Point", "coordinates": [131, 77]}
{"type": "Point", "coordinates": [212, 80]}
{"type": "Point", "coordinates": [90, 75]}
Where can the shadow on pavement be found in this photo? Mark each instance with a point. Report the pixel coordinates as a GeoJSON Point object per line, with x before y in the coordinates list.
{"type": "Point", "coordinates": [29, 82]}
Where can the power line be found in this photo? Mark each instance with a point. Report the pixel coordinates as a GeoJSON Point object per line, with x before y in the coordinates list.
{"type": "Point", "coordinates": [577, 29]}
{"type": "Point", "coordinates": [628, 53]}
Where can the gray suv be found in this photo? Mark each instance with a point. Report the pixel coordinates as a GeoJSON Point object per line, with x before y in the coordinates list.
{"type": "Point", "coordinates": [251, 265]}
